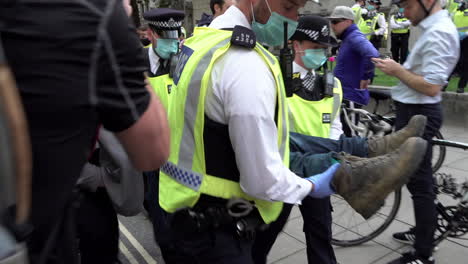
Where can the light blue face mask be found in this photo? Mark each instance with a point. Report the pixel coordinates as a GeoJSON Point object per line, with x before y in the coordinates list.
{"type": "Point", "coordinates": [314, 58]}
{"type": "Point", "coordinates": [401, 10]}
{"type": "Point", "coordinates": [370, 7]}
{"type": "Point", "coordinates": [272, 33]}
{"type": "Point", "coordinates": [166, 47]}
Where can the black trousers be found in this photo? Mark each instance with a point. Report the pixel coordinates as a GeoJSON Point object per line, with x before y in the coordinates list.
{"type": "Point", "coordinates": [221, 245]}
{"type": "Point", "coordinates": [421, 185]}
{"type": "Point", "coordinates": [400, 47]}
{"type": "Point", "coordinates": [462, 65]}
{"type": "Point", "coordinates": [376, 41]}
{"type": "Point", "coordinates": [98, 229]}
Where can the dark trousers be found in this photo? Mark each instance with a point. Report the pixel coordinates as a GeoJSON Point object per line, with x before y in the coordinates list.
{"type": "Point", "coordinates": [98, 229]}
{"type": "Point", "coordinates": [462, 65]}
{"type": "Point", "coordinates": [216, 246]}
{"type": "Point", "coordinates": [376, 41]}
{"type": "Point", "coordinates": [400, 47]}
{"type": "Point", "coordinates": [309, 156]}
{"type": "Point", "coordinates": [155, 212]}
{"type": "Point", "coordinates": [421, 185]}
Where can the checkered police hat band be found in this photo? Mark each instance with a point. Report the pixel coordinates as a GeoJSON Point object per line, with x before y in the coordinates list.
{"type": "Point", "coordinates": [170, 24]}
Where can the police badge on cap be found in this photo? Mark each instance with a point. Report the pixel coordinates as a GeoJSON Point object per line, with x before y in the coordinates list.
{"type": "Point", "coordinates": [315, 29]}
{"type": "Point", "coordinates": [164, 18]}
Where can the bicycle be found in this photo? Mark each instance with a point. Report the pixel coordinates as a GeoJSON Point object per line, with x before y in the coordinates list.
{"type": "Point", "coordinates": [452, 219]}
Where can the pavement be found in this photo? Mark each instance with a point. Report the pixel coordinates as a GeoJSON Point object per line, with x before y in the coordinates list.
{"type": "Point", "coordinates": [137, 244]}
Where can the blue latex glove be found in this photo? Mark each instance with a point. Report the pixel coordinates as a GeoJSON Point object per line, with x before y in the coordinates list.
{"type": "Point", "coordinates": [322, 185]}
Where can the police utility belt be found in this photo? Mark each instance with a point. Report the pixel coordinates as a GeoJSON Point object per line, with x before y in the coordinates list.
{"type": "Point", "coordinates": [236, 214]}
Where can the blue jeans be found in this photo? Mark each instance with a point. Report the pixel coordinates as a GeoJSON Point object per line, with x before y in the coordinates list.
{"type": "Point", "coordinates": [310, 156]}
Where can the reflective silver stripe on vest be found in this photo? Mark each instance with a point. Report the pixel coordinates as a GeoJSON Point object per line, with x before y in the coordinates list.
{"type": "Point", "coordinates": [268, 55]}
{"type": "Point", "coordinates": [336, 96]}
{"type": "Point", "coordinates": [282, 146]}
{"type": "Point", "coordinates": [183, 176]}
{"type": "Point", "coordinates": [462, 28]}
{"type": "Point", "coordinates": [336, 106]}
{"type": "Point", "coordinates": [187, 144]}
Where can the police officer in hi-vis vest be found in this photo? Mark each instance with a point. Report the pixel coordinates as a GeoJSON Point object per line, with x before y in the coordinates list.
{"type": "Point", "coordinates": [359, 9]}
{"type": "Point", "coordinates": [165, 29]}
{"type": "Point", "coordinates": [399, 26]}
{"type": "Point", "coordinates": [314, 111]}
{"type": "Point", "coordinates": [374, 26]}
{"type": "Point", "coordinates": [228, 171]}
{"type": "Point", "coordinates": [164, 32]}
{"type": "Point", "coordinates": [460, 19]}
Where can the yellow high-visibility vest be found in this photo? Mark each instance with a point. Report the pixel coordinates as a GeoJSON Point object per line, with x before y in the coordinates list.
{"type": "Point", "coordinates": [314, 118]}
{"type": "Point", "coordinates": [184, 177]}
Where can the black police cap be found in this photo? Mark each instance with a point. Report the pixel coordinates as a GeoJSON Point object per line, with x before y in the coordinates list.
{"type": "Point", "coordinates": [315, 29]}
{"type": "Point", "coordinates": [164, 18]}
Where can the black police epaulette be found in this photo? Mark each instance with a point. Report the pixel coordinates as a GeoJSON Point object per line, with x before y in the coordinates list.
{"type": "Point", "coordinates": [243, 37]}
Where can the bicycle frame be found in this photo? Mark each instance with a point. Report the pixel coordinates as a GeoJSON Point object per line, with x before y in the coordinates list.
{"type": "Point", "coordinates": [377, 124]}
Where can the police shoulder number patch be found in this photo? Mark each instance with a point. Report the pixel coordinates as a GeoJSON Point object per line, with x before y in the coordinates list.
{"type": "Point", "coordinates": [243, 37]}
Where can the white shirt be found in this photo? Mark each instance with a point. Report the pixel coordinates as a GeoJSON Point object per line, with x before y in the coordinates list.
{"type": "Point", "coordinates": [242, 94]}
{"type": "Point", "coordinates": [398, 25]}
{"type": "Point", "coordinates": [154, 60]}
{"type": "Point", "coordinates": [336, 128]}
{"type": "Point", "coordinates": [433, 56]}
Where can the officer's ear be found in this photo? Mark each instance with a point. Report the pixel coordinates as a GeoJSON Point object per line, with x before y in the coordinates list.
{"type": "Point", "coordinates": [296, 45]}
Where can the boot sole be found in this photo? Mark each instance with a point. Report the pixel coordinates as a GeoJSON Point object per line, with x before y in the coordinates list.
{"type": "Point", "coordinates": [377, 199]}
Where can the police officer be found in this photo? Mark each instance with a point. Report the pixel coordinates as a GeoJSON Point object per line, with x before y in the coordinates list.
{"type": "Point", "coordinates": [228, 169]}
{"type": "Point", "coordinates": [165, 26]}
{"type": "Point", "coordinates": [399, 26]}
{"type": "Point", "coordinates": [359, 9]}
{"type": "Point", "coordinates": [374, 25]}
{"type": "Point", "coordinates": [460, 19]}
{"type": "Point", "coordinates": [314, 111]}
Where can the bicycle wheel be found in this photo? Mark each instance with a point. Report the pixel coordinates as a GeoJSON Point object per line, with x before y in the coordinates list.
{"type": "Point", "coordinates": [350, 228]}
{"type": "Point", "coordinates": [438, 154]}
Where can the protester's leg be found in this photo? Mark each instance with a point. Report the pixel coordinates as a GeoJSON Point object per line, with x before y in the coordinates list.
{"type": "Point", "coordinates": [98, 229]}
{"type": "Point", "coordinates": [265, 239]}
{"type": "Point", "coordinates": [308, 164]}
{"type": "Point", "coordinates": [404, 47]}
{"type": "Point", "coordinates": [317, 229]}
{"type": "Point", "coordinates": [421, 185]}
{"type": "Point", "coordinates": [355, 146]}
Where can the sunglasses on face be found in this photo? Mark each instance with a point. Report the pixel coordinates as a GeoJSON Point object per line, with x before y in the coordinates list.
{"type": "Point", "coordinates": [337, 21]}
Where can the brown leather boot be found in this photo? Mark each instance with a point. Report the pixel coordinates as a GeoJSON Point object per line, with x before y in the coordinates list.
{"type": "Point", "coordinates": [382, 145]}
{"type": "Point", "coordinates": [365, 182]}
